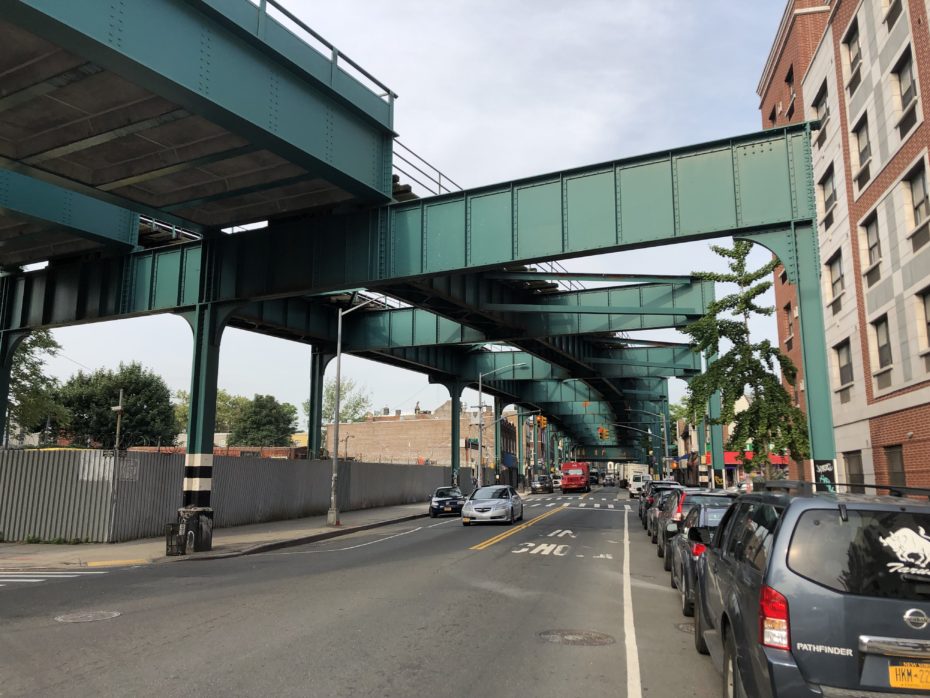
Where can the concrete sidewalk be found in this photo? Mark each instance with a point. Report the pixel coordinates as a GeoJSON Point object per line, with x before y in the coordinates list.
{"type": "Point", "coordinates": [227, 542]}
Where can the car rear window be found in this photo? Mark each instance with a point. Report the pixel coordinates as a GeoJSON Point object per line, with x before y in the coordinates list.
{"type": "Point", "coordinates": [714, 514]}
{"type": "Point", "coordinates": [692, 500]}
{"type": "Point", "coordinates": [883, 554]}
{"type": "Point", "coordinates": [573, 471]}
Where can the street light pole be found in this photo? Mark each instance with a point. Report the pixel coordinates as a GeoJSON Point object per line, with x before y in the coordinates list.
{"type": "Point", "coordinates": [480, 476]}
{"type": "Point", "coordinates": [114, 485]}
{"type": "Point", "coordinates": [664, 435]}
{"type": "Point", "coordinates": [332, 516]}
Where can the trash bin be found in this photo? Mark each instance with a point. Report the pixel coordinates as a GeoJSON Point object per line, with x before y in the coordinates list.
{"type": "Point", "coordinates": [174, 541]}
{"type": "Point", "coordinates": [196, 526]}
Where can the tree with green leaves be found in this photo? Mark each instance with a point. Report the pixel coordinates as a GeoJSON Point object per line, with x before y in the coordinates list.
{"type": "Point", "coordinates": [772, 423]}
{"type": "Point", "coordinates": [354, 401]}
{"type": "Point", "coordinates": [148, 416]}
{"type": "Point", "coordinates": [33, 401]}
{"type": "Point", "coordinates": [264, 422]}
{"type": "Point", "coordinates": [228, 409]}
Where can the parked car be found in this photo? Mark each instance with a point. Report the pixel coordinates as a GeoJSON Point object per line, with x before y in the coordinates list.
{"type": "Point", "coordinates": [446, 500]}
{"type": "Point", "coordinates": [592, 479]}
{"type": "Point", "coordinates": [683, 552]}
{"type": "Point", "coordinates": [677, 507]}
{"type": "Point", "coordinates": [610, 480]}
{"type": "Point", "coordinates": [541, 483]}
{"type": "Point", "coordinates": [493, 503]}
{"type": "Point", "coordinates": [636, 484]}
{"type": "Point", "coordinates": [660, 496]}
{"type": "Point", "coordinates": [815, 594]}
{"type": "Point", "coordinates": [648, 498]}
{"type": "Point", "coordinates": [556, 481]}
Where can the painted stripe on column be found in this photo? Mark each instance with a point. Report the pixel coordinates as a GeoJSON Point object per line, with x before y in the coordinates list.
{"type": "Point", "coordinates": [199, 460]}
{"type": "Point", "coordinates": [192, 471]}
{"type": "Point", "coordinates": [198, 484]}
{"type": "Point", "coordinates": [197, 499]}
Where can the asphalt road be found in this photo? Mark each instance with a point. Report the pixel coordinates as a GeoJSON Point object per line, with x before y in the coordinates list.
{"type": "Point", "coordinates": [427, 607]}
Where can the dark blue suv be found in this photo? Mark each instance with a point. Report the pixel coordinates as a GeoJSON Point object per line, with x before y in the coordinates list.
{"type": "Point", "coordinates": [817, 594]}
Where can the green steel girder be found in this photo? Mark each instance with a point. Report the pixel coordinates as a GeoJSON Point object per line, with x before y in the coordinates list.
{"type": "Point", "coordinates": [312, 113]}
{"type": "Point", "coordinates": [598, 453]}
{"type": "Point", "coordinates": [80, 215]}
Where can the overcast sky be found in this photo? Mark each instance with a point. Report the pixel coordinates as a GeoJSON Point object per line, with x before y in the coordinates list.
{"type": "Point", "coordinates": [491, 91]}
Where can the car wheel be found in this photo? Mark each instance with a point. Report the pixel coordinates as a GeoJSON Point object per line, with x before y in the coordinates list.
{"type": "Point", "coordinates": [667, 563]}
{"type": "Point", "coordinates": [432, 514]}
{"type": "Point", "coordinates": [655, 537]}
{"type": "Point", "coordinates": [671, 575]}
{"type": "Point", "coordinates": [466, 523]}
{"type": "Point", "coordinates": [687, 608]}
{"type": "Point", "coordinates": [699, 643]}
{"type": "Point", "coordinates": [510, 518]}
{"type": "Point", "coordinates": [732, 683]}
{"type": "Point", "coordinates": [659, 551]}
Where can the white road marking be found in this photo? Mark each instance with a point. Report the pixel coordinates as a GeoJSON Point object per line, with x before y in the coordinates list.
{"type": "Point", "coordinates": [597, 506]}
{"type": "Point", "coordinates": [351, 547]}
{"type": "Point", "coordinates": [562, 533]}
{"type": "Point", "coordinates": [543, 548]}
{"type": "Point", "coordinates": [19, 579]}
{"type": "Point", "coordinates": [634, 686]}
{"type": "Point", "coordinates": [579, 555]}
{"type": "Point", "coordinates": [582, 505]}
{"type": "Point", "coordinates": [36, 573]}
{"type": "Point", "coordinates": [441, 523]}
{"type": "Point", "coordinates": [535, 505]}
{"type": "Point", "coordinates": [610, 506]}
{"type": "Point", "coordinates": [551, 505]}
{"type": "Point", "coordinates": [604, 556]}
{"type": "Point", "coordinates": [626, 506]}
{"type": "Point", "coordinates": [561, 551]}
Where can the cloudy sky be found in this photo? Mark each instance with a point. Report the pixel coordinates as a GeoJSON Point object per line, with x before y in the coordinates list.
{"type": "Point", "coordinates": [491, 91]}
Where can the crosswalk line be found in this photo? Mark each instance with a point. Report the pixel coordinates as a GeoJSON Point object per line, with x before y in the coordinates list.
{"type": "Point", "coordinates": [551, 505]}
{"type": "Point", "coordinates": [582, 505]}
{"type": "Point", "coordinates": [535, 505]}
{"type": "Point", "coordinates": [610, 506]}
{"type": "Point", "coordinates": [597, 506]}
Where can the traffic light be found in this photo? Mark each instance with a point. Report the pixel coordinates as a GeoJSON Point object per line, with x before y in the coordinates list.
{"type": "Point", "coordinates": [603, 433]}
{"type": "Point", "coordinates": [541, 421]}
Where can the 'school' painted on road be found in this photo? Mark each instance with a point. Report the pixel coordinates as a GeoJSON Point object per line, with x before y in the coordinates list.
{"type": "Point", "coordinates": [506, 534]}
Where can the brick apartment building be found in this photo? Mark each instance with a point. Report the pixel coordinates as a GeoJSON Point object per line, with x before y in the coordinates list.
{"type": "Point", "coordinates": [862, 69]}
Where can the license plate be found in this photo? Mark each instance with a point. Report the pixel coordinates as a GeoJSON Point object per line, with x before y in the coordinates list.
{"type": "Point", "coordinates": [447, 508]}
{"type": "Point", "coordinates": [465, 519]}
{"type": "Point", "coordinates": [914, 675]}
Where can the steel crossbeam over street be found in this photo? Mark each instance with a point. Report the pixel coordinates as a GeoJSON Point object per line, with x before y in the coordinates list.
{"type": "Point", "coordinates": [124, 163]}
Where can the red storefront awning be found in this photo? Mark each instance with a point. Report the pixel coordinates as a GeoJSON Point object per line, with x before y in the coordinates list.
{"type": "Point", "coordinates": [732, 458]}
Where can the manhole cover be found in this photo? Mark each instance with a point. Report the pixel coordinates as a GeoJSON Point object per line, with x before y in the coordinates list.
{"type": "Point", "coordinates": [87, 616]}
{"type": "Point", "coordinates": [685, 627]}
{"type": "Point", "coordinates": [588, 638]}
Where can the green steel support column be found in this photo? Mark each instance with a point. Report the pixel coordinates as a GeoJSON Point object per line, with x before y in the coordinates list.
{"type": "Point", "coordinates": [498, 408]}
{"type": "Point", "coordinates": [521, 466]}
{"type": "Point", "coordinates": [9, 341]}
{"type": "Point", "coordinates": [318, 363]}
{"type": "Point", "coordinates": [207, 322]}
{"type": "Point", "coordinates": [455, 389]}
{"type": "Point", "coordinates": [536, 446]}
{"type": "Point", "coordinates": [799, 252]}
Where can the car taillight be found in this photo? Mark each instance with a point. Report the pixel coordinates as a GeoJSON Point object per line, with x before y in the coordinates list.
{"type": "Point", "coordinates": [773, 619]}
{"type": "Point", "coordinates": [677, 515]}
{"type": "Point", "coordinates": [650, 500]}
{"type": "Point", "coordinates": [697, 549]}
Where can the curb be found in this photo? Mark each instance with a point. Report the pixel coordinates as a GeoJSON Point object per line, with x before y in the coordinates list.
{"type": "Point", "coordinates": [290, 542]}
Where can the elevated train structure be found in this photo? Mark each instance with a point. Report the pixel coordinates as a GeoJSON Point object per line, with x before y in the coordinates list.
{"type": "Point", "coordinates": [122, 164]}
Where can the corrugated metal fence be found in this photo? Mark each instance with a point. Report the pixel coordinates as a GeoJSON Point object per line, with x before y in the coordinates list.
{"type": "Point", "coordinates": [67, 495]}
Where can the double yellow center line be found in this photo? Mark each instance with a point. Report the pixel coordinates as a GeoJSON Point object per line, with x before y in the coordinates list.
{"type": "Point", "coordinates": [509, 532]}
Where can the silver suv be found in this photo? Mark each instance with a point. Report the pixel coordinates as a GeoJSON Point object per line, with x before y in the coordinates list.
{"type": "Point", "coordinates": [817, 594]}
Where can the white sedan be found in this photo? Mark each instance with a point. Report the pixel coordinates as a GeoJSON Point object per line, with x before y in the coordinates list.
{"type": "Point", "coordinates": [493, 503]}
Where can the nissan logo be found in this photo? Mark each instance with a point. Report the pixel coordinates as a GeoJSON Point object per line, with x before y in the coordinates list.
{"type": "Point", "coordinates": [916, 618]}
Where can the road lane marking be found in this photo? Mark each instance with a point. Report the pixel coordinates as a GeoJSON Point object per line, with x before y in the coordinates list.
{"type": "Point", "coordinates": [582, 505]}
{"type": "Point", "coordinates": [442, 523]}
{"type": "Point", "coordinates": [610, 506]}
{"type": "Point", "coordinates": [560, 533]}
{"type": "Point", "coordinates": [351, 547]}
{"type": "Point", "coordinates": [506, 534]}
{"type": "Point", "coordinates": [9, 580]}
{"type": "Point", "coordinates": [634, 685]}
{"type": "Point", "coordinates": [117, 563]}
{"type": "Point", "coordinates": [535, 505]}
{"type": "Point", "coordinates": [551, 505]}
{"type": "Point", "coordinates": [596, 506]}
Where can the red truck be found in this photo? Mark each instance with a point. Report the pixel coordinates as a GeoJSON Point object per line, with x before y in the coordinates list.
{"type": "Point", "coordinates": [575, 477]}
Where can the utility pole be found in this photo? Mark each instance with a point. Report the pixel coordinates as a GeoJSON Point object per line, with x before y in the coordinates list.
{"type": "Point", "coordinates": [114, 483]}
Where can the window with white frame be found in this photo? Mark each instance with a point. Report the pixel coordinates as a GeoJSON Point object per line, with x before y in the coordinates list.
{"type": "Point", "coordinates": [907, 91]}
{"type": "Point", "coordinates": [792, 93]}
{"type": "Point", "coordinates": [828, 196]}
{"type": "Point", "coordinates": [789, 322]}
{"type": "Point", "coordinates": [837, 284]}
{"type": "Point", "coordinates": [892, 12]}
{"type": "Point", "coordinates": [854, 54]}
{"type": "Point", "coordinates": [864, 149]}
{"type": "Point", "coordinates": [925, 304]}
{"type": "Point", "coordinates": [917, 183]}
{"type": "Point", "coordinates": [872, 240]}
{"type": "Point", "coordinates": [822, 112]}
{"type": "Point", "coordinates": [844, 362]}
{"type": "Point", "coordinates": [882, 341]}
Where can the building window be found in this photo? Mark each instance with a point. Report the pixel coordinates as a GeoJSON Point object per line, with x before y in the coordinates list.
{"type": "Point", "coordinates": [828, 195]}
{"type": "Point", "coordinates": [892, 12]}
{"type": "Point", "coordinates": [874, 246]}
{"type": "Point", "coordinates": [789, 327]}
{"type": "Point", "coordinates": [821, 112]}
{"type": "Point", "coordinates": [854, 51]}
{"type": "Point", "coordinates": [837, 283]}
{"type": "Point", "coordinates": [861, 132]}
{"type": "Point", "coordinates": [925, 304]}
{"type": "Point", "coordinates": [844, 361]}
{"type": "Point", "coordinates": [907, 89]}
{"type": "Point", "coordinates": [854, 476]}
{"type": "Point", "coordinates": [895, 460]}
{"type": "Point", "coordinates": [918, 186]}
{"type": "Point", "coordinates": [772, 117]}
{"type": "Point", "coordinates": [792, 93]}
{"type": "Point", "coordinates": [882, 341]}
